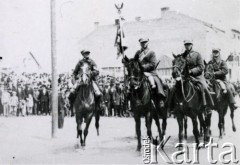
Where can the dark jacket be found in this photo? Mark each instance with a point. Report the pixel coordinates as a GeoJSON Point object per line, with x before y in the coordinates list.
{"type": "Point", "coordinates": [21, 93]}
{"type": "Point", "coordinates": [220, 69]}
{"type": "Point", "coordinates": [43, 97]}
{"type": "Point", "coordinates": [149, 62]}
{"type": "Point", "coordinates": [90, 62]}
{"type": "Point", "coordinates": [194, 66]}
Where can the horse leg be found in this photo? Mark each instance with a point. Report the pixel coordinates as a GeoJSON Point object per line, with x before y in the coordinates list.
{"type": "Point", "coordinates": [88, 121]}
{"type": "Point", "coordinates": [220, 122]}
{"type": "Point", "coordinates": [97, 118]}
{"type": "Point", "coordinates": [203, 125]}
{"type": "Point", "coordinates": [224, 114]}
{"type": "Point", "coordinates": [137, 119]}
{"type": "Point", "coordinates": [79, 130]}
{"type": "Point", "coordinates": [164, 125]}
{"type": "Point", "coordinates": [195, 129]}
{"type": "Point", "coordinates": [180, 126]}
{"type": "Point", "coordinates": [185, 120]}
{"type": "Point", "coordinates": [232, 117]}
{"type": "Point", "coordinates": [148, 119]}
{"type": "Point", "coordinates": [156, 118]}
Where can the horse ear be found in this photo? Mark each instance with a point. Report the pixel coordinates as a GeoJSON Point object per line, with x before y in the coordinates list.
{"type": "Point", "coordinates": [174, 56]}
{"type": "Point", "coordinates": [125, 59]}
{"type": "Point", "coordinates": [205, 63]}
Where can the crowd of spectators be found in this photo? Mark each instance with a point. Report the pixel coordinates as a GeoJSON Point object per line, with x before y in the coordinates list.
{"type": "Point", "coordinates": [30, 94]}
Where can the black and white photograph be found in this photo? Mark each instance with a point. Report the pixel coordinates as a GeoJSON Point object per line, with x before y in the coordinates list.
{"type": "Point", "coordinates": [119, 82]}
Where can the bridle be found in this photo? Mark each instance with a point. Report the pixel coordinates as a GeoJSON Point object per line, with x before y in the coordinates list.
{"type": "Point", "coordinates": [187, 98]}
{"type": "Point", "coordinates": [84, 76]}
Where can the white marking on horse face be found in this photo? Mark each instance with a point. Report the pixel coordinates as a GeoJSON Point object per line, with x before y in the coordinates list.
{"type": "Point", "coordinates": [84, 70]}
{"type": "Point", "coordinates": [84, 67]}
{"type": "Point", "coordinates": [178, 78]}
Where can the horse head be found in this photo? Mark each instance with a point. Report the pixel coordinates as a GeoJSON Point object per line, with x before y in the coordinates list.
{"type": "Point", "coordinates": [178, 64]}
{"type": "Point", "coordinates": [85, 74]}
{"type": "Point", "coordinates": [134, 72]}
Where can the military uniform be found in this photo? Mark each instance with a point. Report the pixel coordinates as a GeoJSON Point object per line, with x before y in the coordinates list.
{"type": "Point", "coordinates": [94, 74]}
{"type": "Point", "coordinates": [220, 71]}
{"type": "Point", "coordinates": [148, 61]}
{"type": "Point", "coordinates": [195, 67]}
{"type": "Point", "coordinates": [92, 65]}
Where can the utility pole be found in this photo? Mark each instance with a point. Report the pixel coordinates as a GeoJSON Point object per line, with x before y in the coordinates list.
{"type": "Point", "coordinates": [54, 70]}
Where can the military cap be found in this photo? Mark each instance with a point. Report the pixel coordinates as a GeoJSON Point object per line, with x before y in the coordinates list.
{"type": "Point", "coordinates": [43, 86]}
{"type": "Point", "coordinates": [143, 40]}
{"type": "Point", "coordinates": [85, 51]}
{"type": "Point", "coordinates": [188, 42]}
{"type": "Point", "coordinates": [216, 50]}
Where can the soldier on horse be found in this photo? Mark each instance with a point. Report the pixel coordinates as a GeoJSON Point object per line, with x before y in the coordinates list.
{"type": "Point", "coordinates": [148, 61]}
{"type": "Point", "coordinates": [220, 70]}
{"type": "Point", "coordinates": [94, 73]}
{"type": "Point", "coordinates": [194, 67]}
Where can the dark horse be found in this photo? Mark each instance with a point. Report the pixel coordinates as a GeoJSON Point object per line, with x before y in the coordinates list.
{"type": "Point", "coordinates": [220, 100]}
{"type": "Point", "coordinates": [187, 101]}
{"type": "Point", "coordinates": [143, 102]}
{"type": "Point", "coordinates": [85, 105]}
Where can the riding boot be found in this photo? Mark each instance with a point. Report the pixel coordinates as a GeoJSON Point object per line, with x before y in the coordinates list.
{"type": "Point", "coordinates": [209, 99]}
{"type": "Point", "coordinates": [97, 91]}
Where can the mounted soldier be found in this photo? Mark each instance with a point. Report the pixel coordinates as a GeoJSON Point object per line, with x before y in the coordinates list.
{"type": "Point", "coordinates": [94, 74]}
{"type": "Point", "coordinates": [220, 69]}
{"type": "Point", "coordinates": [194, 67]}
{"type": "Point", "coordinates": [148, 61]}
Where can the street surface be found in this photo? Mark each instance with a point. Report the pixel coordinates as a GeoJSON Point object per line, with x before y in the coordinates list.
{"type": "Point", "coordinates": [27, 140]}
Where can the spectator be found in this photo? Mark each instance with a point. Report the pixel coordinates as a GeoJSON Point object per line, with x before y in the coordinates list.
{"type": "Point", "coordinates": [5, 101]}
{"type": "Point", "coordinates": [36, 103]}
{"type": "Point", "coordinates": [44, 100]}
{"type": "Point", "coordinates": [117, 100]}
{"type": "Point", "coordinates": [13, 103]}
{"type": "Point", "coordinates": [29, 104]}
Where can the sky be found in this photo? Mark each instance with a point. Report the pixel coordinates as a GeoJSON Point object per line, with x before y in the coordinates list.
{"type": "Point", "coordinates": [25, 24]}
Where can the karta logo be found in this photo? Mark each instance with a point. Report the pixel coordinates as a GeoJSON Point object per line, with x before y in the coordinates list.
{"type": "Point", "coordinates": [151, 150]}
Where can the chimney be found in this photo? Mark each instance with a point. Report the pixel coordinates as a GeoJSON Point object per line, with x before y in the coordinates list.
{"type": "Point", "coordinates": [163, 11]}
{"type": "Point", "coordinates": [138, 18]}
{"type": "Point", "coordinates": [96, 24]}
{"type": "Point", "coordinates": [116, 21]}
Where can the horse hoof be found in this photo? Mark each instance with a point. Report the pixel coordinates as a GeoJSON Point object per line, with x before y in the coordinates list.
{"type": "Point", "coordinates": [234, 129]}
{"type": "Point", "coordinates": [220, 137]}
{"type": "Point", "coordinates": [77, 146]}
{"type": "Point", "coordinates": [138, 149]}
{"type": "Point", "coordinates": [83, 144]}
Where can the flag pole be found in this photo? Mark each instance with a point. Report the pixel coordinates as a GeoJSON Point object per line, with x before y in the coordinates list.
{"type": "Point", "coordinates": [119, 8]}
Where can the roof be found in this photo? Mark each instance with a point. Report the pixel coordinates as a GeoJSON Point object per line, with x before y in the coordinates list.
{"type": "Point", "coordinates": [166, 37]}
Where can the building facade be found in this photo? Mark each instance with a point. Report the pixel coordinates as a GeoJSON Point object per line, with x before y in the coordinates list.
{"type": "Point", "coordinates": [166, 35]}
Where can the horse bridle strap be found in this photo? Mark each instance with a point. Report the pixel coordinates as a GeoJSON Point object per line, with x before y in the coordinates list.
{"type": "Point", "coordinates": [186, 97]}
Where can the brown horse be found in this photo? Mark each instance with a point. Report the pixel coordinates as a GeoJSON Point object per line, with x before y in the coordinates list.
{"type": "Point", "coordinates": [187, 101]}
{"type": "Point", "coordinates": [143, 101]}
{"type": "Point", "coordinates": [85, 104]}
{"type": "Point", "coordinates": [220, 100]}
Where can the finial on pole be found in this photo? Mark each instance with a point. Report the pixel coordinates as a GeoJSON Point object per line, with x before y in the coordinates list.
{"type": "Point", "coordinates": [119, 7]}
